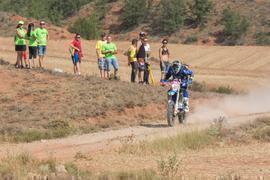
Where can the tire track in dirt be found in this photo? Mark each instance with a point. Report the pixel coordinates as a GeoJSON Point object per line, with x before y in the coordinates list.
{"type": "Point", "coordinates": [67, 148]}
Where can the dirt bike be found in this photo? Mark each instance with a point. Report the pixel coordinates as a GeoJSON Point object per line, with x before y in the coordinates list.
{"type": "Point", "coordinates": [176, 104]}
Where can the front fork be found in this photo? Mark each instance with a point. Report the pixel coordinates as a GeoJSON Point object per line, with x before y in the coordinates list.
{"type": "Point", "coordinates": [176, 103]}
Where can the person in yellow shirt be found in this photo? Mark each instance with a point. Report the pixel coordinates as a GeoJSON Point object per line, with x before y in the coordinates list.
{"type": "Point", "coordinates": [100, 55]}
{"type": "Point", "coordinates": [132, 60]}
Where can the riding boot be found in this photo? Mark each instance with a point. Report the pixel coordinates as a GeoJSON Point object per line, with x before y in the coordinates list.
{"type": "Point", "coordinates": [186, 104]}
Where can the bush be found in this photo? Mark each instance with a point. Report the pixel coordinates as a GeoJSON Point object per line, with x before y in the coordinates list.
{"type": "Point", "coordinates": [235, 26]}
{"type": "Point", "coordinates": [191, 39]}
{"type": "Point", "coordinates": [172, 15]}
{"type": "Point", "coordinates": [53, 10]}
{"type": "Point", "coordinates": [134, 12]}
{"type": "Point", "coordinates": [262, 38]}
{"type": "Point", "coordinates": [199, 87]}
{"type": "Point", "coordinates": [200, 9]}
{"type": "Point", "coordinates": [87, 27]}
{"type": "Point", "coordinates": [169, 168]}
{"type": "Point", "coordinates": [223, 90]}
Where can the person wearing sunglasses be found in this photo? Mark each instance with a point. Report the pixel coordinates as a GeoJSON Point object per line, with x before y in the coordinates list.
{"type": "Point", "coordinates": [164, 56]}
{"type": "Point", "coordinates": [76, 54]}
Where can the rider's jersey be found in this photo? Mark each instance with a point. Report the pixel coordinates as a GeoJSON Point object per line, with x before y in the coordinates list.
{"type": "Point", "coordinates": [183, 74]}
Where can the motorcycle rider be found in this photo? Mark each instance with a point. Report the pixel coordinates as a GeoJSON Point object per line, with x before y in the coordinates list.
{"type": "Point", "coordinates": [180, 71]}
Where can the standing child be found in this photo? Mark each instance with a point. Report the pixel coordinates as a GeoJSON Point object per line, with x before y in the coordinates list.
{"type": "Point", "coordinates": [26, 61]}
{"type": "Point", "coordinates": [76, 50]}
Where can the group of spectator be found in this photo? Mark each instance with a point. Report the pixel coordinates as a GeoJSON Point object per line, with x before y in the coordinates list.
{"type": "Point", "coordinates": [138, 58]}
{"type": "Point", "coordinates": [138, 53]}
{"type": "Point", "coordinates": [37, 41]}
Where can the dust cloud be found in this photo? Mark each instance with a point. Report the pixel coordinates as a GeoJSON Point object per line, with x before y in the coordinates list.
{"type": "Point", "coordinates": [256, 101]}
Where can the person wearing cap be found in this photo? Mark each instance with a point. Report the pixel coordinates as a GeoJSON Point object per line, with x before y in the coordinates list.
{"type": "Point", "coordinates": [164, 56]}
{"type": "Point", "coordinates": [42, 39]}
{"type": "Point", "coordinates": [100, 55]}
{"type": "Point", "coordinates": [20, 44]}
{"type": "Point", "coordinates": [141, 56]}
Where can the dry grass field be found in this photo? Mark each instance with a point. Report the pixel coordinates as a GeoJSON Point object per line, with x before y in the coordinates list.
{"type": "Point", "coordinates": [240, 67]}
{"type": "Point", "coordinates": [42, 104]}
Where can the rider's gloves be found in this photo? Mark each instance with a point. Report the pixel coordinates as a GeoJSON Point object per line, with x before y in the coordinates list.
{"type": "Point", "coordinates": [162, 82]}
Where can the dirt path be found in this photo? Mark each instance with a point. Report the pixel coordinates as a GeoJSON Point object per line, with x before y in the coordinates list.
{"type": "Point", "coordinates": [67, 148]}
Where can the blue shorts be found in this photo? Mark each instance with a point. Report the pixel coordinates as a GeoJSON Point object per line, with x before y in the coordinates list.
{"type": "Point", "coordinates": [41, 50]}
{"type": "Point", "coordinates": [75, 58]}
{"type": "Point", "coordinates": [102, 64]}
{"type": "Point", "coordinates": [111, 62]}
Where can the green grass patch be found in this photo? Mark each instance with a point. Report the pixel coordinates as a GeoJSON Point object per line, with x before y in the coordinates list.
{"type": "Point", "coordinates": [199, 86]}
{"type": "Point", "coordinates": [223, 90]}
{"type": "Point", "coordinates": [191, 40]}
{"type": "Point", "coordinates": [194, 140]}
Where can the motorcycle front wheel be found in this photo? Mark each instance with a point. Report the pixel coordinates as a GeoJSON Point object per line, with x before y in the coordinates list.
{"type": "Point", "coordinates": [182, 117]}
{"type": "Point", "coordinates": [170, 113]}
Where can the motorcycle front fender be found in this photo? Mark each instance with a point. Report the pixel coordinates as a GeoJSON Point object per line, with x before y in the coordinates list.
{"type": "Point", "coordinates": [171, 93]}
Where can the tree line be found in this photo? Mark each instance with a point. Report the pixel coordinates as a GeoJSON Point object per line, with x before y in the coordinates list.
{"type": "Point", "coordinates": [54, 11]}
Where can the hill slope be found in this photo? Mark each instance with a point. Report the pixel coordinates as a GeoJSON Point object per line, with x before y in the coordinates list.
{"type": "Point", "coordinates": [109, 15]}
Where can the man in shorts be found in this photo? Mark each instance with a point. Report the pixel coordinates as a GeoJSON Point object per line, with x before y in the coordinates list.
{"type": "Point", "coordinates": [42, 36]}
{"type": "Point", "coordinates": [100, 55]}
{"type": "Point", "coordinates": [109, 49]}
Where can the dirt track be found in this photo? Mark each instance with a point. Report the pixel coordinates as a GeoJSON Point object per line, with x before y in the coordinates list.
{"type": "Point", "coordinates": [66, 148]}
{"type": "Point", "coordinates": [240, 67]}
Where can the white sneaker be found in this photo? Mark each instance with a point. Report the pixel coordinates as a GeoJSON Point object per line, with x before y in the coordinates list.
{"type": "Point", "coordinates": [186, 109]}
{"type": "Point", "coordinates": [186, 105]}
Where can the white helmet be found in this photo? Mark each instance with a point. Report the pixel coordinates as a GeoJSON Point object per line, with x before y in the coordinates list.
{"type": "Point", "coordinates": [176, 66]}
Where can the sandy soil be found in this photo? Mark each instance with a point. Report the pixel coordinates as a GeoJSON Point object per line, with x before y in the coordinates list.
{"type": "Point", "coordinates": [98, 151]}
{"type": "Point", "coordinates": [240, 67]}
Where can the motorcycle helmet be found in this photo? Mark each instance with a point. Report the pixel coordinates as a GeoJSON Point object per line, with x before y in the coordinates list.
{"type": "Point", "coordinates": [176, 66]}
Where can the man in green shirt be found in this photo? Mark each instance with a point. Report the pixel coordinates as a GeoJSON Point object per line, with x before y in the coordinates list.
{"type": "Point", "coordinates": [109, 50]}
{"type": "Point", "coordinates": [42, 36]}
